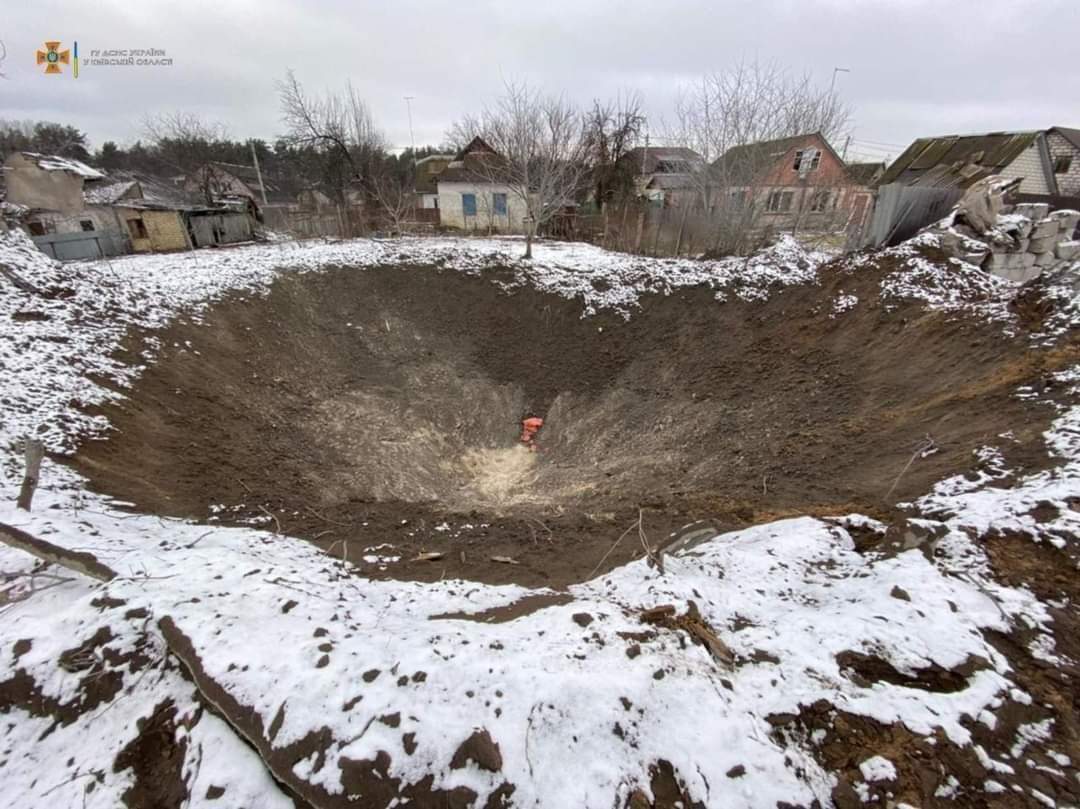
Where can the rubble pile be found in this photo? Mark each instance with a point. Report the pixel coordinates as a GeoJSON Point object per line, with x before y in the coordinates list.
{"type": "Point", "coordinates": [1024, 241]}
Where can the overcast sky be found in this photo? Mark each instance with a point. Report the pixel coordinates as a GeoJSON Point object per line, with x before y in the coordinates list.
{"type": "Point", "coordinates": [917, 68]}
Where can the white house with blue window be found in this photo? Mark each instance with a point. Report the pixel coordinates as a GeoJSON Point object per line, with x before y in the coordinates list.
{"type": "Point", "coordinates": [469, 200]}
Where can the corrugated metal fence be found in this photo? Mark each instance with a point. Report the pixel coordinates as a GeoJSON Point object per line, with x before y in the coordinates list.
{"type": "Point", "coordinates": [901, 211]}
{"type": "Point", "coordinates": [84, 245]}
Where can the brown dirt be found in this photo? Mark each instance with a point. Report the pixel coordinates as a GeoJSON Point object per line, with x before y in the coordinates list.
{"type": "Point", "coordinates": [369, 407]}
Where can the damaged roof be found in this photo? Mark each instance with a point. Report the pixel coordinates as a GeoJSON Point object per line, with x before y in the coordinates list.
{"type": "Point", "coordinates": [745, 163]}
{"type": "Point", "coordinates": [52, 162]}
{"type": "Point", "coordinates": [957, 160]}
{"type": "Point", "coordinates": [663, 159]}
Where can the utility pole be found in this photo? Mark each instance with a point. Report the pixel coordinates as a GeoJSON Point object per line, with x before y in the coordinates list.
{"type": "Point", "coordinates": [835, 70]}
{"type": "Point", "coordinates": [258, 173]}
{"type": "Point", "coordinates": [843, 155]}
{"type": "Point", "coordinates": [412, 140]}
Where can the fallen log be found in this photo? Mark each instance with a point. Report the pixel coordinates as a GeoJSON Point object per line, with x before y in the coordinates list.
{"type": "Point", "coordinates": [79, 561]}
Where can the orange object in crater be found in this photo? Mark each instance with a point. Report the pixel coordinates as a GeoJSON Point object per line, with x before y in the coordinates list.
{"type": "Point", "coordinates": [529, 428]}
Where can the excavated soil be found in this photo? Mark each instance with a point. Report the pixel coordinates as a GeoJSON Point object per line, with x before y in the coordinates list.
{"type": "Point", "coordinates": [360, 409]}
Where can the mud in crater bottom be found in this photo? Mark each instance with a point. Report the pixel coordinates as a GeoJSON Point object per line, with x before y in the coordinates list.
{"type": "Point", "coordinates": [377, 413]}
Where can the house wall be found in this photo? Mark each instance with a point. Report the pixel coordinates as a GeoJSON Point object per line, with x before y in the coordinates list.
{"type": "Point", "coordinates": [29, 185]}
{"type": "Point", "coordinates": [451, 213]}
{"type": "Point", "coordinates": [57, 222]}
{"type": "Point", "coordinates": [1068, 183]}
{"type": "Point", "coordinates": [165, 230]}
{"type": "Point", "coordinates": [1029, 166]}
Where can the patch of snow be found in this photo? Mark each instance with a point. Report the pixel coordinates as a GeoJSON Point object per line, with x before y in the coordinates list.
{"type": "Point", "coordinates": [878, 768]}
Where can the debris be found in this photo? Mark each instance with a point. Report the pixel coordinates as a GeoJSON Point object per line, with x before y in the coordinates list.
{"type": "Point", "coordinates": [694, 625]}
{"type": "Point", "coordinates": [427, 556]}
{"type": "Point", "coordinates": [505, 560]}
{"type": "Point", "coordinates": [529, 428]}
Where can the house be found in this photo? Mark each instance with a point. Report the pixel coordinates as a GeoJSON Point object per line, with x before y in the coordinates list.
{"type": "Point", "coordinates": [668, 176]}
{"type": "Point", "coordinates": [48, 192]}
{"type": "Point", "coordinates": [470, 199]}
{"type": "Point", "coordinates": [789, 183]}
{"type": "Point", "coordinates": [232, 182]}
{"type": "Point", "coordinates": [958, 161]}
{"type": "Point", "coordinates": [428, 170]}
{"type": "Point", "coordinates": [1064, 147]}
{"type": "Point", "coordinates": [73, 211]}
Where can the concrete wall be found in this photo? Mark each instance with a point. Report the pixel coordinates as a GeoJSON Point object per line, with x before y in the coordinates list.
{"type": "Point", "coordinates": [1068, 183]}
{"type": "Point", "coordinates": [165, 230]}
{"type": "Point", "coordinates": [36, 188]}
{"type": "Point", "coordinates": [54, 222]}
{"type": "Point", "coordinates": [451, 213]}
{"type": "Point", "coordinates": [1029, 165]}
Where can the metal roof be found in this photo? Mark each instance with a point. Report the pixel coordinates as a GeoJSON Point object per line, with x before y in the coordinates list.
{"type": "Point", "coordinates": [957, 160]}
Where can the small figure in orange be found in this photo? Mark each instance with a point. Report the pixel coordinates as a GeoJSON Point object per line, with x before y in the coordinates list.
{"type": "Point", "coordinates": [530, 426]}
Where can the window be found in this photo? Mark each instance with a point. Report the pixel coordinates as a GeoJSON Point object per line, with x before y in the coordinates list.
{"type": "Point", "coordinates": [737, 199]}
{"type": "Point", "coordinates": [780, 201]}
{"type": "Point", "coordinates": [36, 228]}
{"type": "Point", "coordinates": [86, 224]}
{"type": "Point", "coordinates": [819, 201]}
{"type": "Point", "coordinates": [1062, 164]}
{"type": "Point", "coordinates": [468, 204]}
{"type": "Point", "coordinates": [807, 159]}
{"type": "Point", "coordinates": [138, 229]}
{"type": "Point", "coordinates": [498, 202]}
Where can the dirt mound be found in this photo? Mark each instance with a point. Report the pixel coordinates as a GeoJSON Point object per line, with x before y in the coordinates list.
{"type": "Point", "coordinates": [361, 409]}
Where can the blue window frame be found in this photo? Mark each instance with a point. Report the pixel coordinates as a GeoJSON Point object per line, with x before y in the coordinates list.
{"type": "Point", "coordinates": [468, 204]}
{"type": "Point", "coordinates": [499, 204]}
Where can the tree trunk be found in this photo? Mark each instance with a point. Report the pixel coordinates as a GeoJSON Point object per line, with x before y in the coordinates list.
{"type": "Point", "coordinates": [35, 451]}
{"type": "Point", "coordinates": [528, 239]}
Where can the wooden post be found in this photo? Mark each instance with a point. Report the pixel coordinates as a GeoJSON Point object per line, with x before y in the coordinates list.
{"type": "Point", "coordinates": [35, 451]}
{"type": "Point", "coordinates": [640, 230]}
{"type": "Point", "coordinates": [682, 229]}
{"type": "Point", "coordinates": [659, 227]}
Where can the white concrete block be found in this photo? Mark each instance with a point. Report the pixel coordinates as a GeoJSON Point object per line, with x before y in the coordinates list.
{"type": "Point", "coordinates": [1067, 251]}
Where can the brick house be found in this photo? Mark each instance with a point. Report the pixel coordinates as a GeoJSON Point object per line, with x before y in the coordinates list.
{"type": "Point", "coordinates": [793, 182]}
{"type": "Point", "coordinates": [1064, 147]}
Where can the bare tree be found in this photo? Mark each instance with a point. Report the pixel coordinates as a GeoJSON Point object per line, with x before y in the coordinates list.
{"type": "Point", "coordinates": [3, 58]}
{"type": "Point", "coordinates": [394, 194]}
{"type": "Point", "coordinates": [612, 129]}
{"type": "Point", "coordinates": [341, 123]}
{"type": "Point", "coordinates": [540, 151]}
{"type": "Point", "coordinates": [187, 144]}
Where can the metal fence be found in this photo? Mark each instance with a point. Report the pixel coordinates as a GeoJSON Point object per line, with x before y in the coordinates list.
{"type": "Point", "coordinates": [901, 211]}
{"type": "Point", "coordinates": [82, 245]}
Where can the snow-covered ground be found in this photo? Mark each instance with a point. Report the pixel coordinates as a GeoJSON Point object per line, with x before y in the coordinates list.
{"type": "Point", "coordinates": [577, 699]}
